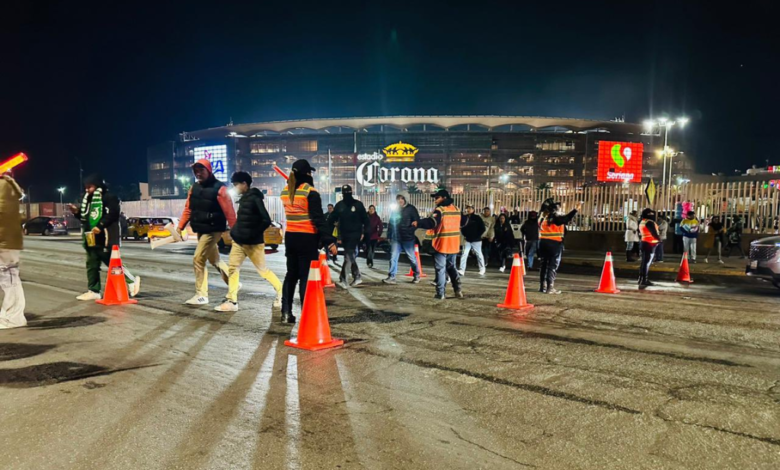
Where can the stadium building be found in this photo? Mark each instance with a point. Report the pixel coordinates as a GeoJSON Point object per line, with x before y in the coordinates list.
{"type": "Point", "coordinates": [381, 154]}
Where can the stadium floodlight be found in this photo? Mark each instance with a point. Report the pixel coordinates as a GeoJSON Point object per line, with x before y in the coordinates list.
{"type": "Point", "coordinates": [662, 121]}
{"type": "Point", "coordinates": [649, 124]}
{"type": "Point", "coordinates": [682, 121]}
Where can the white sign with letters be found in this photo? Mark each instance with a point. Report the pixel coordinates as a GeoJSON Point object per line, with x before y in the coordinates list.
{"type": "Point", "coordinates": [371, 173]}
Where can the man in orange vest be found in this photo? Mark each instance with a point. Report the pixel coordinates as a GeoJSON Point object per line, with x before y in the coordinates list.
{"type": "Point", "coordinates": [650, 238]}
{"type": "Point", "coordinates": [445, 224]}
{"type": "Point", "coordinates": [552, 228]}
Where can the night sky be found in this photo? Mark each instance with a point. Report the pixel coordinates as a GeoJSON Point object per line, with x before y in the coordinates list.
{"type": "Point", "coordinates": [101, 82]}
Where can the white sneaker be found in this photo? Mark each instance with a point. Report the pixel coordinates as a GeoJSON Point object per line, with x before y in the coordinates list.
{"type": "Point", "coordinates": [502, 268]}
{"type": "Point", "coordinates": [89, 295]}
{"type": "Point", "coordinates": [482, 272]}
{"type": "Point", "coordinates": [227, 306]}
{"type": "Point", "coordinates": [278, 301]}
{"type": "Point", "coordinates": [706, 260]}
{"type": "Point", "coordinates": [6, 326]}
{"type": "Point", "coordinates": [197, 300]}
{"type": "Point", "coordinates": [357, 282]}
{"type": "Point", "coordinates": [721, 261]}
{"type": "Point", "coordinates": [135, 287]}
{"type": "Point", "coordinates": [461, 272]}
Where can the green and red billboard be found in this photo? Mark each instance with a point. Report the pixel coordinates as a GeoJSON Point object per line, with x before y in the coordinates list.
{"type": "Point", "coordinates": [620, 162]}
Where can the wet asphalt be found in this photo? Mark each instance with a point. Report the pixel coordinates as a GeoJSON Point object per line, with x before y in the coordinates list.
{"type": "Point", "coordinates": [671, 377]}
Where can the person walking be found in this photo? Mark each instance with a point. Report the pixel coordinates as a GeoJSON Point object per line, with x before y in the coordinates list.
{"type": "Point", "coordinates": [332, 257]}
{"type": "Point", "coordinates": [209, 211]}
{"type": "Point", "coordinates": [514, 218]}
{"type": "Point", "coordinates": [632, 235]}
{"type": "Point", "coordinates": [734, 237]}
{"type": "Point", "coordinates": [99, 214]}
{"type": "Point", "coordinates": [663, 230]}
{"type": "Point", "coordinates": [489, 235]}
{"type": "Point", "coordinates": [376, 227]}
{"type": "Point", "coordinates": [715, 235]}
{"type": "Point", "coordinates": [472, 227]}
{"type": "Point", "coordinates": [530, 232]}
{"type": "Point", "coordinates": [690, 229]}
{"type": "Point", "coordinates": [505, 240]}
{"type": "Point", "coordinates": [551, 232]}
{"type": "Point", "coordinates": [354, 227]}
{"type": "Point", "coordinates": [650, 238]}
{"type": "Point", "coordinates": [307, 229]}
{"type": "Point", "coordinates": [252, 220]}
{"type": "Point", "coordinates": [445, 223]}
{"type": "Point", "coordinates": [400, 233]}
{"type": "Point", "coordinates": [11, 244]}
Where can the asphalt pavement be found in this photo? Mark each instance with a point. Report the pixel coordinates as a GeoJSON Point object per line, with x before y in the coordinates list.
{"type": "Point", "coordinates": [670, 377]}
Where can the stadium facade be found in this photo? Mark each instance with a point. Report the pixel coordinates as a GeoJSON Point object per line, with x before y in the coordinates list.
{"type": "Point", "coordinates": [381, 154]}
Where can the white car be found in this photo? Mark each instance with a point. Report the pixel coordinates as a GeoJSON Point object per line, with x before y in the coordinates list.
{"type": "Point", "coordinates": [765, 260]}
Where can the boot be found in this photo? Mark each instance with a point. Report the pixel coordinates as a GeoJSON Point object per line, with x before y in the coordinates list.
{"type": "Point", "coordinates": [287, 317]}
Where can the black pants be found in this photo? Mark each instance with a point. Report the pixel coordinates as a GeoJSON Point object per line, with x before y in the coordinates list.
{"type": "Point", "coordinates": [486, 250]}
{"type": "Point", "coordinates": [734, 245]}
{"type": "Point", "coordinates": [678, 244]}
{"type": "Point", "coordinates": [370, 249]}
{"type": "Point", "coordinates": [647, 251]}
{"type": "Point", "coordinates": [301, 250]}
{"type": "Point", "coordinates": [550, 253]}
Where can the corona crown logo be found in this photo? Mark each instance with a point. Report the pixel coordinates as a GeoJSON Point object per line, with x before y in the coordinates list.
{"type": "Point", "coordinates": [400, 152]}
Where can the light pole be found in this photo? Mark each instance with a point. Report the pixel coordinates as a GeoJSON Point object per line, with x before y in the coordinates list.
{"type": "Point", "coordinates": [665, 124]}
{"type": "Point", "coordinates": [61, 191]}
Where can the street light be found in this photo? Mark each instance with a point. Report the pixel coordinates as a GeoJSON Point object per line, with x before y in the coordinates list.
{"type": "Point", "coordinates": [62, 191]}
{"type": "Point", "coordinates": [665, 124]}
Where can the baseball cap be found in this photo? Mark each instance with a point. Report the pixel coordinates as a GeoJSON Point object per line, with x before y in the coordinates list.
{"type": "Point", "coordinates": [441, 193]}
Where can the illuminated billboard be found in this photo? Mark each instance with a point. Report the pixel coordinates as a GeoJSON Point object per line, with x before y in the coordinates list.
{"type": "Point", "coordinates": [620, 162]}
{"type": "Point", "coordinates": [217, 155]}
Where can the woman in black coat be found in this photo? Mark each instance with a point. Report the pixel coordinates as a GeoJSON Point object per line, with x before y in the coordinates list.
{"type": "Point", "coordinates": [505, 240]}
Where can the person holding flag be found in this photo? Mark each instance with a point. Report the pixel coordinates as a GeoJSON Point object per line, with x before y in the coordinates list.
{"type": "Point", "coordinates": [552, 229]}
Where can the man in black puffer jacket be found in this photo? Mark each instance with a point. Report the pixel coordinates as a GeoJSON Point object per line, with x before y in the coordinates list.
{"type": "Point", "coordinates": [354, 226]}
{"type": "Point", "coordinates": [252, 220]}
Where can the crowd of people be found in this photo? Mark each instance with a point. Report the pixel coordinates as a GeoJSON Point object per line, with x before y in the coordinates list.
{"type": "Point", "coordinates": [209, 211]}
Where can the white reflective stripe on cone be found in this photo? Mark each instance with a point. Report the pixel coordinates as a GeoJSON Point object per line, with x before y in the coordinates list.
{"type": "Point", "coordinates": [416, 249]}
{"type": "Point", "coordinates": [609, 256]}
{"type": "Point", "coordinates": [516, 261]}
{"type": "Point", "coordinates": [314, 275]}
{"type": "Point", "coordinates": [115, 253]}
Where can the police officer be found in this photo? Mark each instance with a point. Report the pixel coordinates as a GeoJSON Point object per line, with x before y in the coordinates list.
{"type": "Point", "coordinates": [650, 238]}
{"type": "Point", "coordinates": [551, 231]}
{"type": "Point", "coordinates": [445, 227]}
{"type": "Point", "coordinates": [307, 229]}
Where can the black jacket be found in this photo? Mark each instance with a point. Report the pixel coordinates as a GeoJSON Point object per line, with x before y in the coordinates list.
{"type": "Point", "coordinates": [110, 232]}
{"type": "Point", "coordinates": [400, 227]}
{"type": "Point", "coordinates": [206, 214]}
{"type": "Point", "coordinates": [252, 219]}
{"type": "Point", "coordinates": [505, 236]}
{"type": "Point", "coordinates": [530, 230]}
{"type": "Point", "coordinates": [353, 221]}
{"type": "Point", "coordinates": [472, 227]}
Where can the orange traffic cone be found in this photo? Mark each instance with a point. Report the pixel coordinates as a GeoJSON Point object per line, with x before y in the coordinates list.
{"type": "Point", "coordinates": [684, 274]}
{"type": "Point", "coordinates": [325, 271]}
{"type": "Point", "coordinates": [419, 264]}
{"type": "Point", "coordinates": [607, 284]}
{"type": "Point", "coordinates": [314, 329]}
{"type": "Point", "coordinates": [515, 292]}
{"type": "Point", "coordinates": [116, 287]}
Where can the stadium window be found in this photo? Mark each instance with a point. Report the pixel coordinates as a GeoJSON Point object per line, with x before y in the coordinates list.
{"type": "Point", "coordinates": [267, 147]}
{"type": "Point", "coordinates": [302, 146]}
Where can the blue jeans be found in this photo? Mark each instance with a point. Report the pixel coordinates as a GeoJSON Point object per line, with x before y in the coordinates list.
{"type": "Point", "coordinates": [477, 247]}
{"type": "Point", "coordinates": [395, 252]}
{"type": "Point", "coordinates": [531, 246]}
{"type": "Point", "coordinates": [445, 265]}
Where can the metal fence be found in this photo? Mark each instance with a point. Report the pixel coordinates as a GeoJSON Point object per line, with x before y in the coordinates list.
{"type": "Point", "coordinates": [604, 208]}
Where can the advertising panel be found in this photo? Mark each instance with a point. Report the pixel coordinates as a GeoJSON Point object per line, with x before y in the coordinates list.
{"type": "Point", "coordinates": [620, 162]}
{"type": "Point", "coordinates": [217, 155]}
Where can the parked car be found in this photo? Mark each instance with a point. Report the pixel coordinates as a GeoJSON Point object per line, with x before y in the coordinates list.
{"type": "Point", "coordinates": [138, 227]}
{"type": "Point", "coordinates": [157, 227]}
{"type": "Point", "coordinates": [46, 226]}
{"type": "Point", "coordinates": [273, 236]}
{"type": "Point", "coordinates": [765, 260]}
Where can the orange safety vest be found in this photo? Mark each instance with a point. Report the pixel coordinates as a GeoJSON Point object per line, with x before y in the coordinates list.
{"type": "Point", "coordinates": [550, 231]}
{"type": "Point", "coordinates": [297, 211]}
{"type": "Point", "coordinates": [446, 236]}
{"type": "Point", "coordinates": [647, 237]}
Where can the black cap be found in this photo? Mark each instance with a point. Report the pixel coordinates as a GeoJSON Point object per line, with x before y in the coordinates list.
{"type": "Point", "coordinates": [346, 189]}
{"type": "Point", "coordinates": [441, 193]}
{"type": "Point", "coordinates": [94, 179]}
{"type": "Point", "coordinates": [302, 167]}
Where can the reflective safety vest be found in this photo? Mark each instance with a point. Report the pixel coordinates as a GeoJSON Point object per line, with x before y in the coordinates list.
{"type": "Point", "coordinates": [647, 237]}
{"type": "Point", "coordinates": [446, 235]}
{"type": "Point", "coordinates": [297, 210]}
{"type": "Point", "coordinates": [550, 231]}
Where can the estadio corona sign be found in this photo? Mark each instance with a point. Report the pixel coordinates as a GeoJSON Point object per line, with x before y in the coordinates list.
{"type": "Point", "coordinates": [620, 162]}
{"type": "Point", "coordinates": [370, 172]}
